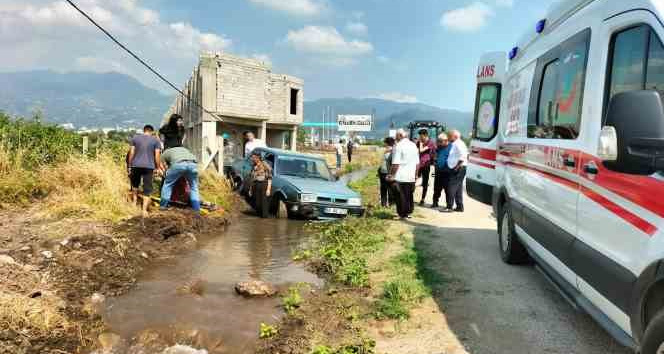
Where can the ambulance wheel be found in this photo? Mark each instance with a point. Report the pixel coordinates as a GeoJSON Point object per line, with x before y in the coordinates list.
{"type": "Point", "coordinates": [512, 250]}
{"type": "Point", "coordinates": [653, 339]}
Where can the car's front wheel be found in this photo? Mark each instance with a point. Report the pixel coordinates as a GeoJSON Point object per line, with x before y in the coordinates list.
{"type": "Point", "coordinates": [512, 250]}
{"type": "Point", "coordinates": [280, 208]}
{"type": "Point", "coordinates": [653, 339]}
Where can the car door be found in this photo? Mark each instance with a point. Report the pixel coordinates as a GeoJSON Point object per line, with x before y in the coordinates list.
{"type": "Point", "coordinates": [615, 221]}
{"type": "Point", "coordinates": [550, 159]}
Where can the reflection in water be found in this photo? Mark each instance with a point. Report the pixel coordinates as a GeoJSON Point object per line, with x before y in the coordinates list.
{"type": "Point", "coordinates": [251, 248]}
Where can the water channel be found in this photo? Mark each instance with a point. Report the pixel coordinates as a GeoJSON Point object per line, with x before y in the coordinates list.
{"type": "Point", "coordinates": [249, 249]}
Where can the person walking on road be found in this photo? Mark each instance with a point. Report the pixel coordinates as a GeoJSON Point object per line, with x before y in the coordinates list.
{"type": "Point", "coordinates": [427, 150]}
{"type": "Point", "coordinates": [386, 196]}
{"type": "Point", "coordinates": [405, 159]}
{"type": "Point", "coordinates": [143, 159]}
{"type": "Point", "coordinates": [457, 161]}
{"type": "Point", "coordinates": [178, 162]}
{"type": "Point", "coordinates": [349, 149]}
{"type": "Point", "coordinates": [339, 148]}
{"type": "Point", "coordinates": [261, 185]}
{"type": "Point", "coordinates": [442, 180]}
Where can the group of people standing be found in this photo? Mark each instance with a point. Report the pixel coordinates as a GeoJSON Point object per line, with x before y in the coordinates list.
{"type": "Point", "coordinates": [165, 155]}
{"type": "Point", "coordinates": [405, 161]}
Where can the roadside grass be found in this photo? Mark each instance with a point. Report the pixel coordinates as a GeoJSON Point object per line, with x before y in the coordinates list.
{"type": "Point", "coordinates": [38, 316]}
{"type": "Point", "coordinates": [369, 189]}
{"type": "Point", "coordinates": [44, 164]}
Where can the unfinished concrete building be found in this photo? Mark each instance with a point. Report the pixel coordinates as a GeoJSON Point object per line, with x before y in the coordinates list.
{"type": "Point", "coordinates": [236, 95]}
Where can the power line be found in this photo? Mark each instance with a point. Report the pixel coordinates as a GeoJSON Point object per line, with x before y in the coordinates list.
{"type": "Point", "coordinates": [146, 65]}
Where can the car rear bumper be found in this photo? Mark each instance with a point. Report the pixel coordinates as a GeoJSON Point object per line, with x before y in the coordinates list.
{"type": "Point", "coordinates": [318, 211]}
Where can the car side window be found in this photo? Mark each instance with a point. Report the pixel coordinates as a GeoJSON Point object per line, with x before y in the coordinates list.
{"type": "Point", "coordinates": [559, 99]}
{"type": "Point", "coordinates": [636, 62]}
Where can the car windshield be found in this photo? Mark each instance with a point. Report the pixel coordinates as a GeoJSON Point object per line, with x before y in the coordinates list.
{"type": "Point", "coordinates": [302, 167]}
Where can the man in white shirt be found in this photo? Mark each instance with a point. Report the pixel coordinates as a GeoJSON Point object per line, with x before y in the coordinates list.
{"type": "Point", "coordinates": [252, 143]}
{"type": "Point", "coordinates": [339, 148]}
{"type": "Point", "coordinates": [457, 162]}
{"type": "Point", "coordinates": [405, 158]}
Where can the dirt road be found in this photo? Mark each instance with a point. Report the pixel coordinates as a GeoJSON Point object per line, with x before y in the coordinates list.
{"type": "Point", "coordinates": [492, 307]}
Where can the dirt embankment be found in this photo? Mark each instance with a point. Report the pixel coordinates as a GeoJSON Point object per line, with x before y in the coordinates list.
{"type": "Point", "coordinates": [56, 273]}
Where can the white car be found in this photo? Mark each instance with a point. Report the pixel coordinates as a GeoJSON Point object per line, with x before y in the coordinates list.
{"type": "Point", "coordinates": [579, 187]}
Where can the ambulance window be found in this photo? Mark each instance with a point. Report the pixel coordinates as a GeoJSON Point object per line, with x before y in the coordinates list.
{"type": "Point", "coordinates": [560, 99]}
{"type": "Point", "coordinates": [486, 111]}
{"type": "Point", "coordinates": [655, 71]}
{"type": "Point", "coordinates": [637, 62]}
{"type": "Point", "coordinates": [629, 59]}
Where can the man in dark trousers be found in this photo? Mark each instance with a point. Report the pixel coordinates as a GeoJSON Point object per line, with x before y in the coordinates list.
{"type": "Point", "coordinates": [349, 149]}
{"type": "Point", "coordinates": [427, 150]}
{"type": "Point", "coordinates": [144, 155]}
{"type": "Point", "coordinates": [457, 162]}
{"type": "Point", "coordinates": [442, 180]}
{"type": "Point", "coordinates": [405, 159]}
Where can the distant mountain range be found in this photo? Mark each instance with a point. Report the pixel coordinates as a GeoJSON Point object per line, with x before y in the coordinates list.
{"type": "Point", "coordinates": [84, 99]}
{"type": "Point", "coordinates": [388, 112]}
{"type": "Point", "coordinates": [96, 100]}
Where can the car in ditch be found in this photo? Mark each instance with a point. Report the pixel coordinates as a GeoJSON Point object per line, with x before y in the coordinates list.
{"type": "Point", "coordinates": [302, 186]}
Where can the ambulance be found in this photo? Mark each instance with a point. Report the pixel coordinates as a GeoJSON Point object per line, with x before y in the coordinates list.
{"type": "Point", "coordinates": [579, 185]}
{"type": "Point", "coordinates": [481, 176]}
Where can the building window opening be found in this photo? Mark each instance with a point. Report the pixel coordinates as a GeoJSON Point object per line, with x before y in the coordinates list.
{"type": "Point", "coordinates": [293, 101]}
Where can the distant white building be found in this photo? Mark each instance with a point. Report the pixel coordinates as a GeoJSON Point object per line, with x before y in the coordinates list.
{"type": "Point", "coordinates": [238, 95]}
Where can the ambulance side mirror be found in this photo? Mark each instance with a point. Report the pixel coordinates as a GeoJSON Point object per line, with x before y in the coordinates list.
{"type": "Point", "coordinates": [638, 120]}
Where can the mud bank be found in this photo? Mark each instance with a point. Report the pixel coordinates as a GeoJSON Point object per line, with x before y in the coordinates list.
{"type": "Point", "coordinates": [58, 273]}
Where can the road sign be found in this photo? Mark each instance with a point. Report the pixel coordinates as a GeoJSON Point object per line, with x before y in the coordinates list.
{"type": "Point", "coordinates": [354, 123]}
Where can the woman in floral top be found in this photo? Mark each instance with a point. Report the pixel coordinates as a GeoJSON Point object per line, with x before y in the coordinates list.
{"type": "Point", "coordinates": [261, 185]}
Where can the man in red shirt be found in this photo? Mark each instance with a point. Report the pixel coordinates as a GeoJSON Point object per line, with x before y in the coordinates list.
{"type": "Point", "coordinates": [427, 150]}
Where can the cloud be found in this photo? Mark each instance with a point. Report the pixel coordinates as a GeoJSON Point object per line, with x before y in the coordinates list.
{"type": "Point", "coordinates": [468, 19]}
{"type": "Point", "coordinates": [328, 45]}
{"type": "Point", "coordinates": [383, 59]}
{"type": "Point", "coordinates": [305, 8]}
{"type": "Point", "coordinates": [357, 29]}
{"type": "Point", "coordinates": [396, 97]}
{"type": "Point", "coordinates": [49, 34]}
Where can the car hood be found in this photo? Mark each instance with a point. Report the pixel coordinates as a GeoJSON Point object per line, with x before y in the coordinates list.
{"type": "Point", "coordinates": [320, 187]}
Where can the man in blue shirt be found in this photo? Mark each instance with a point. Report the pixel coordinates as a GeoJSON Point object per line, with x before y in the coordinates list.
{"type": "Point", "coordinates": [443, 171]}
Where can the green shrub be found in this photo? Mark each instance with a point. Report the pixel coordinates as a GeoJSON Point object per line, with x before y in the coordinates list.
{"type": "Point", "coordinates": [267, 331]}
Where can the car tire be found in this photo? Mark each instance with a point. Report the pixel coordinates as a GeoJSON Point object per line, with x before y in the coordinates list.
{"type": "Point", "coordinates": [512, 250]}
{"type": "Point", "coordinates": [653, 339]}
{"type": "Point", "coordinates": [281, 209]}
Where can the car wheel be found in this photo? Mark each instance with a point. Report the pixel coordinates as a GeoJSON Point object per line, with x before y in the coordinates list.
{"type": "Point", "coordinates": [512, 250]}
{"type": "Point", "coordinates": [653, 339]}
{"type": "Point", "coordinates": [281, 209]}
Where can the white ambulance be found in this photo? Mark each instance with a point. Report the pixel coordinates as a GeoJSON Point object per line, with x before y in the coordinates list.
{"type": "Point", "coordinates": [579, 181]}
{"type": "Point", "coordinates": [481, 176]}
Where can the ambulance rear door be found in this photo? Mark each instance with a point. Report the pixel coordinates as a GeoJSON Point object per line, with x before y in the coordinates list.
{"type": "Point", "coordinates": [482, 162]}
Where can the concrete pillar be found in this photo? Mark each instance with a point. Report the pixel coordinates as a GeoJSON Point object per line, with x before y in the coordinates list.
{"type": "Point", "coordinates": [293, 143]}
{"type": "Point", "coordinates": [209, 139]}
{"type": "Point", "coordinates": [220, 155]}
{"type": "Point", "coordinates": [262, 131]}
{"type": "Point", "coordinates": [208, 76]}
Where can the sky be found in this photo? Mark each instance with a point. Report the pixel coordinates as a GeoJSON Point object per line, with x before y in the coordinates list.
{"type": "Point", "coordinates": [402, 50]}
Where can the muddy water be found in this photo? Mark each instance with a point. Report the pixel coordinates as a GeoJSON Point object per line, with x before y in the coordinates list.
{"type": "Point", "coordinates": [250, 248]}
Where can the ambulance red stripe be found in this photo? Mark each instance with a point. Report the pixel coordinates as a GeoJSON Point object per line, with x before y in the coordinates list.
{"type": "Point", "coordinates": [640, 190]}
{"type": "Point", "coordinates": [481, 163]}
{"type": "Point", "coordinates": [486, 154]}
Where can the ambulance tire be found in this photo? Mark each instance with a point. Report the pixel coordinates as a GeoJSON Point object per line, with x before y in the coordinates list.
{"type": "Point", "coordinates": [653, 339]}
{"type": "Point", "coordinates": [512, 250]}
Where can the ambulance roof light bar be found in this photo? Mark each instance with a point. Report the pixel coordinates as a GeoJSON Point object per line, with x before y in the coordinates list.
{"type": "Point", "coordinates": [513, 53]}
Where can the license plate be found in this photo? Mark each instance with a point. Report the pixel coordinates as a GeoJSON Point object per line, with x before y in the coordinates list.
{"type": "Point", "coordinates": [336, 211]}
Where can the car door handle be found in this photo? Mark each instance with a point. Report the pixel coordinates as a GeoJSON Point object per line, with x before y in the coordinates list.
{"type": "Point", "coordinates": [475, 151]}
{"type": "Point", "coordinates": [590, 168]}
